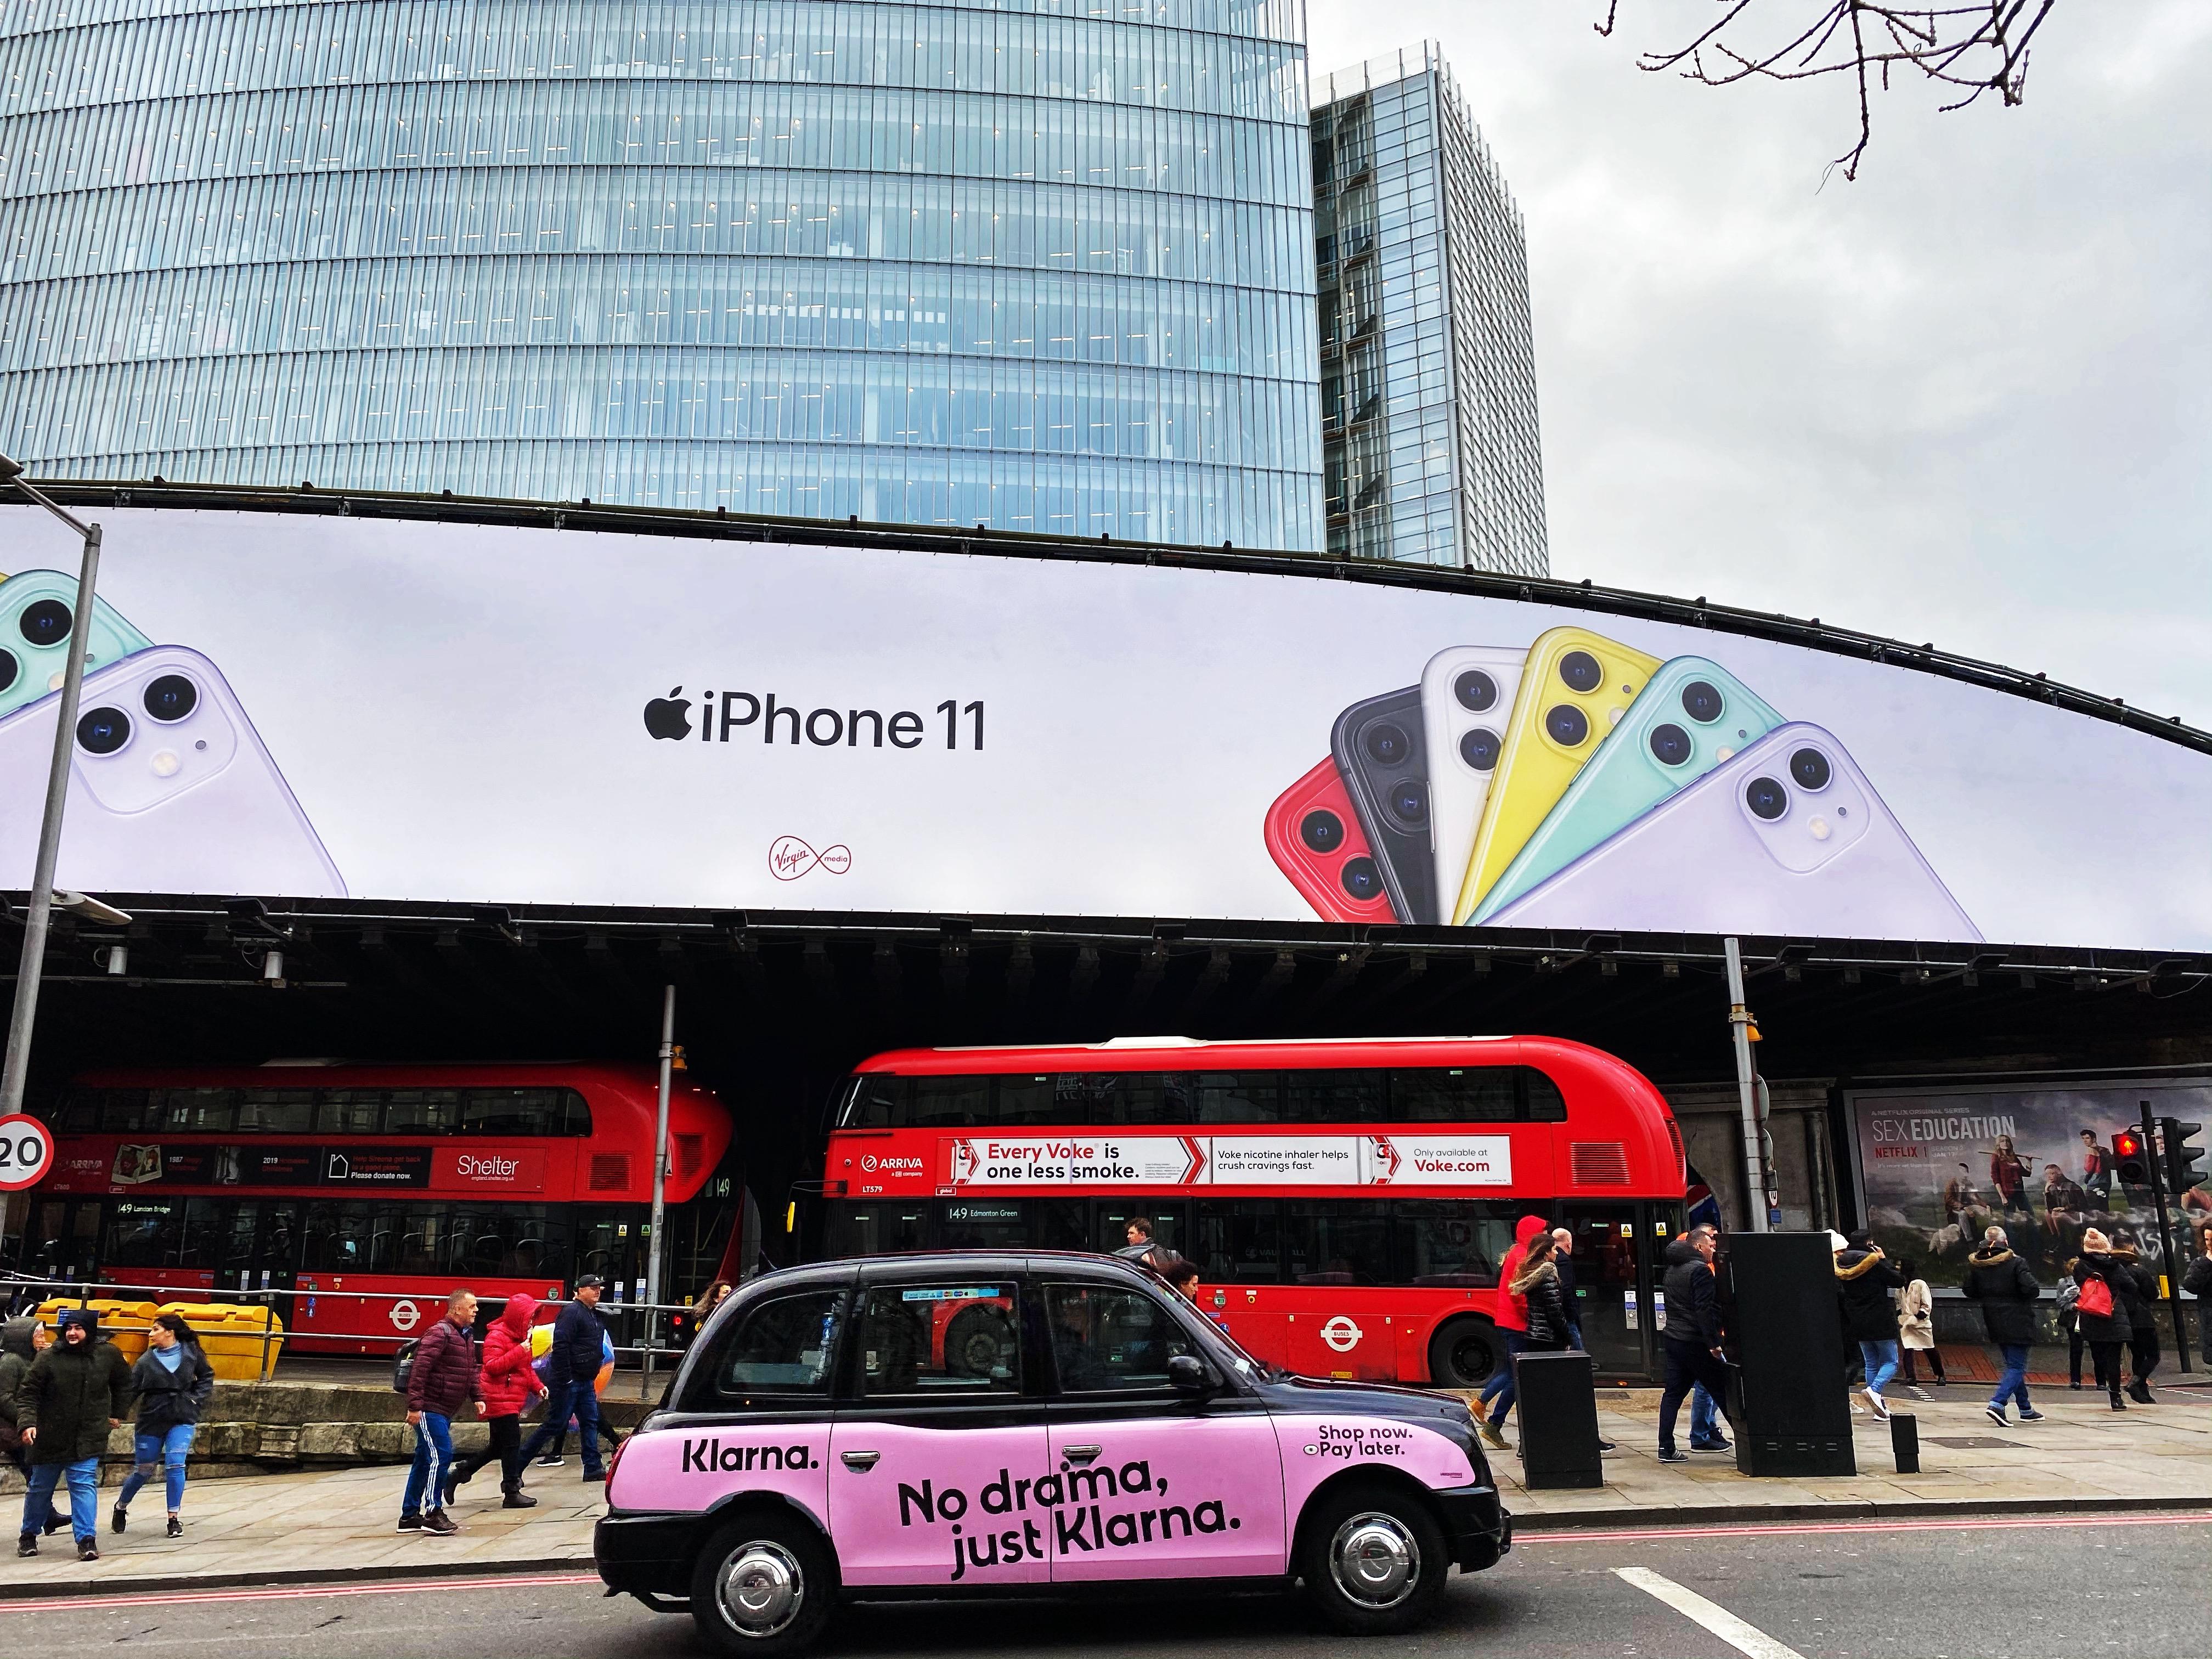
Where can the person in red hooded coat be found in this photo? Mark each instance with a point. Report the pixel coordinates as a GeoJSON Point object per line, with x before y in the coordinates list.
{"type": "Point", "coordinates": [506, 1384]}
{"type": "Point", "coordinates": [1512, 1320]}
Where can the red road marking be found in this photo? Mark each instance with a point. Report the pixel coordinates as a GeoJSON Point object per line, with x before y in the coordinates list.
{"type": "Point", "coordinates": [291, 1592]}
{"type": "Point", "coordinates": [1845, 1523]}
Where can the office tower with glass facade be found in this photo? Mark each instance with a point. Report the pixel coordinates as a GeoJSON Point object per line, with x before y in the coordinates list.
{"type": "Point", "coordinates": [1428, 368]}
{"type": "Point", "coordinates": [1042, 265]}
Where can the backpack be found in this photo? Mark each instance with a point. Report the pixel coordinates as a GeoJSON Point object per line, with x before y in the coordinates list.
{"type": "Point", "coordinates": [403, 1365]}
{"type": "Point", "coordinates": [2096, 1301]}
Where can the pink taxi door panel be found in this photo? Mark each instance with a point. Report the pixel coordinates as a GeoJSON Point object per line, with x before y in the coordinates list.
{"type": "Point", "coordinates": [1145, 1483]}
{"type": "Point", "coordinates": [935, 1439]}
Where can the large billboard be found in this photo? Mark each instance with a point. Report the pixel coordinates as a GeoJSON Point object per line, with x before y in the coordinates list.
{"type": "Point", "coordinates": [1938, 1167]}
{"type": "Point", "coordinates": [290, 706]}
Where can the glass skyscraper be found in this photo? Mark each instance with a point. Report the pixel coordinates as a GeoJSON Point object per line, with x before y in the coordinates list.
{"type": "Point", "coordinates": [1042, 265]}
{"type": "Point", "coordinates": [1428, 364]}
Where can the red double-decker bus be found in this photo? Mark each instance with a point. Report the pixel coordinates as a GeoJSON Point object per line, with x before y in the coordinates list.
{"type": "Point", "coordinates": [360, 1196]}
{"type": "Point", "coordinates": [1347, 1202]}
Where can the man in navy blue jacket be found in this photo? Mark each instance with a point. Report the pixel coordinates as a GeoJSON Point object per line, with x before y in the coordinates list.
{"type": "Point", "coordinates": [572, 1371]}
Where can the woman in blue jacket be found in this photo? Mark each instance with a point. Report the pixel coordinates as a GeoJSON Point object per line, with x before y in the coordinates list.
{"type": "Point", "coordinates": [174, 1383]}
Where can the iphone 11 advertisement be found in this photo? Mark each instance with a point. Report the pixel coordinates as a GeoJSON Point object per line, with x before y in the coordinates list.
{"type": "Point", "coordinates": [291, 708]}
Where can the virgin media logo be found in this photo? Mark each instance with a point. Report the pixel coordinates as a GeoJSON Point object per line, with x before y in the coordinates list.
{"type": "Point", "coordinates": [790, 857]}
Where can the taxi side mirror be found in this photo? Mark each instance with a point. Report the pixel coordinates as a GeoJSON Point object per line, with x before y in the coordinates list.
{"type": "Point", "coordinates": [1187, 1375]}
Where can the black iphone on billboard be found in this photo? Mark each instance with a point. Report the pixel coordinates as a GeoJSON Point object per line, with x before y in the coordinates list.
{"type": "Point", "coordinates": [1378, 747]}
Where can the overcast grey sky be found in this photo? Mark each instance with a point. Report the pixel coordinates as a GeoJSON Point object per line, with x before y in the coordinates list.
{"type": "Point", "coordinates": [1964, 400]}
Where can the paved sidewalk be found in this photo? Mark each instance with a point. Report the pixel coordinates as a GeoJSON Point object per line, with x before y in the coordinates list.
{"type": "Point", "coordinates": [338, 1523]}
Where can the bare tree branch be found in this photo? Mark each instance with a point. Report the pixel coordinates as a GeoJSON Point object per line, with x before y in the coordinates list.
{"type": "Point", "coordinates": [1976, 49]}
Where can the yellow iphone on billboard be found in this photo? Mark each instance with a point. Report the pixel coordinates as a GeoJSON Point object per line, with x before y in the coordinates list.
{"type": "Point", "coordinates": [1575, 688]}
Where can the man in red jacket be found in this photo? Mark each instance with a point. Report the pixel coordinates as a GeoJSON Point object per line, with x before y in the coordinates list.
{"type": "Point", "coordinates": [442, 1381]}
{"type": "Point", "coordinates": [506, 1382]}
{"type": "Point", "coordinates": [1512, 1320]}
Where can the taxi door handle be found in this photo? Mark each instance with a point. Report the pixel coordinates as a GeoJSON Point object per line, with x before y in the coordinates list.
{"type": "Point", "coordinates": [1080, 1454]}
{"type": "Point", "coordinates": [861, 1461]}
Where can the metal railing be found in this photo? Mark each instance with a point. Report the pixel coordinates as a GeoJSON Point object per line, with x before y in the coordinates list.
{"type": "Point", "coordinates": [21, 1293]}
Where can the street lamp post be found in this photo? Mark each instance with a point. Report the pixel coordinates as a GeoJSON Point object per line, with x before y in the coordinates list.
{"type": "Point", "coordinates": [50, 829]}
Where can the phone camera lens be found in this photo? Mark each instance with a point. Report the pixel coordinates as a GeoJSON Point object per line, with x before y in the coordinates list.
{"type": "Point", "coordinates": [1567, 723]}
{"type": "Point", "coordinates": [1361, 878]}
{"type": "Point", "coordinates": [1321, 831]}
{"type": "Point", "coordinates": [1387, 744]}
{"type": "Point", "coordinates": [46, 623]}
{"type": "Point", "coordinates": [1701, 700]}
{"type": "Point", "coordinates": [1811, 769]}
{"type": "Point", "coordinates": [1478, 749]}
{"type": "Point", "coordinates": [1475, 690]}
{"type": "Point", "coordinates": [9, 669]}
{"type": "Point", "coordinates": [172, 697]}
{"type": "Point", "coordinates": [1766, 799]}
{"type": "Point", "coordinates": [1580, 670]}
{"type": "Point", "coordinates": [104, 730]}
{"type": "Point", "coordinates": [1409, 800]}
{"type": "Point", "coordinates": [1671, 744]}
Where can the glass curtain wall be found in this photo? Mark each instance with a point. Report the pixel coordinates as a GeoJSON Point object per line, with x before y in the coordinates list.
{"type": "Point", "coordinates": [1428, 366]}
{"type": "Point", "coordinates": [1042, 265]}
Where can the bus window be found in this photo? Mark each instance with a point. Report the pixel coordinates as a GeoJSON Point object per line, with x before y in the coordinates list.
{"type": "Point", "coordinates": [1239, 1241]}
{"type": "Point", "coordinates": [1437, 1094]}
{"type": "Point", "coordinates": [142, 1234]}
{"type": "Point", "coordinates": [1452, 1242]}
{"type": "Point", "coordinates": [1333, 1097]}
{"type": "Point", "coordinates": [1237, 1096]}
{"type": "Point", "coordinates": [422, 1111]}
{"type": "Point", "coordinates": [1337, 1241]}
{"type": "Point", "coordinates": [277, 1111]}
{"type": "Point", "coordinates": [877, 1229]}
{"type": "Point", "coordinates": [1546, 1103]}
{"type": "Point", "coordinates": [1143, 1098]}
{"type": "Point", "coordinates": [350, 1112]}
{"type": "Point", "coordinates": [1030, 1100]}
{"type": "Point", "coordinates": [951, 1102]}
{"type": "Point", "coordinates": [1057, 1224]}
{"type": "Point", "coordinates": [980, 1224]}
{"type": "Point", "coordinates": [192, 1111]}
{"type": "Point", "coordinates": [1166, 1216]}
{"type": "Point", "coordinates": [875, 1103]}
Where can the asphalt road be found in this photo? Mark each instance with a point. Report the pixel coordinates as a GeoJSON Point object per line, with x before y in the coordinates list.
{"type": "Point", "coordinates": [2037, 1588]}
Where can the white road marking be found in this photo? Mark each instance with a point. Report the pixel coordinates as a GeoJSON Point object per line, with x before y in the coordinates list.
{"type": "Point", "coordinates": [1744, 1638]}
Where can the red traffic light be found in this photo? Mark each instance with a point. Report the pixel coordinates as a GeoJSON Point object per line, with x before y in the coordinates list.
{"type": "Point", "coordinates": [2127, 1143]}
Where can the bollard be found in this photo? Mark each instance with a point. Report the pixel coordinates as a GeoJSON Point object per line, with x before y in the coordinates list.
{"type": "Point", "coordinates": [1905, 1441]}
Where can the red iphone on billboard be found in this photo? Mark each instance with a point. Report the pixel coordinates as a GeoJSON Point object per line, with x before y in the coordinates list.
{"type": "Point", "coordinates": [1379, 748]}
{"type": "Point", "coordinates": [172, 790]}
{"type": "Point", "coordinates": [1315, 838]}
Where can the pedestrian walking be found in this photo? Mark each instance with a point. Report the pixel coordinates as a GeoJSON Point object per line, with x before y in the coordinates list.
{"type": "Point", "coordinates": [2102, 1310]}
{"type": "Point", "coordinates": [1563, 1258]}
{"type": "Point", "coordinates": [1510, 1318]}
{"type": "Point", "coordinates": [1916, 1334]}
{"type": "Point", "coordinates": [693, 1319]}
{"type": "Point", "coordinates": [1537, 1285]}
{"type": "Point", "coordinates": [2140, 1285]}
{"type": "Point", "coordinates": [17, 1351]}
{"type": "Point", "coordinates": [506, 1383]}
{"type": "Point", "coordinates": [72, 1396]}
{"type": "Point", "coordinates": [1692, 1341]}
{"type": "Point", "coordinates": [1864, 1280]}
{"type": "Point", "coordinates": [441, 1384]}
{"type": "Point", "coordinates": [174, 1383]}
{"type": "Point", "coordinates": [2006, 1288]}
{"type": "Point", "coordinates": [572, 1376]}
{"type": "Point", "coordinates": [2197, 1281]}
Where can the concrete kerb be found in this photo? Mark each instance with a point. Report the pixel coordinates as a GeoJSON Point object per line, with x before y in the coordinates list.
{"type": "Point", "coordinates": [1841, 1513]}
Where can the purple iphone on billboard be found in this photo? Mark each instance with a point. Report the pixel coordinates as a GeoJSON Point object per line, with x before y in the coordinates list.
{"type": "Point", "coordinates": [1787, 837]}
{"type": "Point", "coordinates": [171, 790]}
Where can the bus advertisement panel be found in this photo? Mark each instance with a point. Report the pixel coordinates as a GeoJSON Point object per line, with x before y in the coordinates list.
{"type": "Point", "coordinates": [353, 707]}
{"type": "Point", "coordinates": [1347, 1203]}
{"type": "Point", "coordinates": [355, 1198]}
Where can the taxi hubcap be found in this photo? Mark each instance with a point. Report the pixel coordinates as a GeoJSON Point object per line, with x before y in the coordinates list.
{"type": "Point", "coordinates": [1374, 1560]}
{"type": "Point", "coordinates": [762, 1589]}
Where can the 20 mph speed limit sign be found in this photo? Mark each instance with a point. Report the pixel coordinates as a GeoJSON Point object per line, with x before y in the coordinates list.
{"type": "Point", "coordinates": [27, 1153]}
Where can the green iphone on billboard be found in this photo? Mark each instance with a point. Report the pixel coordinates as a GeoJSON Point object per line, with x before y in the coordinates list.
{"type": "Point", "coordinates": [37, 608]}
{"type": "Point", "coordinates": [1691, 716]}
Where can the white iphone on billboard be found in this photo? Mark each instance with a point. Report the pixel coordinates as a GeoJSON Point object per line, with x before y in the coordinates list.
{"type": "Point", "coordinates": [171, 789]}
{"type": "Point", "coordinates": [1466, 692]}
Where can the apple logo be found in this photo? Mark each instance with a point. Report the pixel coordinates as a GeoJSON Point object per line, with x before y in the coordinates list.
{"type": "Point", "coordinates": [669, 716]}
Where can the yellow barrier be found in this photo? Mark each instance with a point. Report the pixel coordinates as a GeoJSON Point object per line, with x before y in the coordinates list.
{"type": "Point", "coordinates": [124, 1323]}
{"type": "Point", "coordinates": [231, 1336]}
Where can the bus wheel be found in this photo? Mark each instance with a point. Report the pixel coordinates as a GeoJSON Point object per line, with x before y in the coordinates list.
{"type": "Point", "coordinates": [977, 1343]}
{"type": "Point", "coordinates": [1462, 1354]}
{"type": "Point", "coordinates": [1372, 1559]}
{"type": "Point", "coordinates": [764, 1585]}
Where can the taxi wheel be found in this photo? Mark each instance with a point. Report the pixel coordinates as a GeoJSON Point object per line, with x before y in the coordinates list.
{"type": "Point", "coordinates": [764, 1585]}
{"type": "Point", "coordinates": [1372, 1559]}
{"type": "Point", "coordinates": [1462, 1354]}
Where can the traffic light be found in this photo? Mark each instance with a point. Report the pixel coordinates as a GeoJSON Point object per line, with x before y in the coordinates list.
{"type": "Point", "coordinates": [2130, 1165]}
{"type": "Point", "coordinates": [2185, 1164]}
